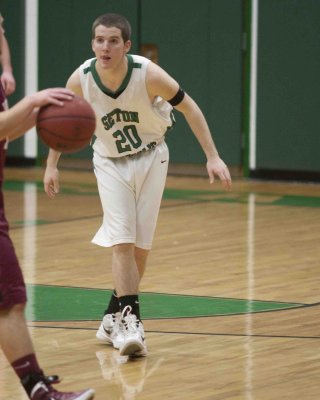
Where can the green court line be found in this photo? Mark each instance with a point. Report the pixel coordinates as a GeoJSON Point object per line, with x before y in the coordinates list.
{"type": "Point", "coordinates": [31, 222]}
{"type": "Point", "coordinates": [73, 189]}
{"type": "Point", "coordinates": [273, 199]}
{"type": "Point", "coordinates": [59, 303]}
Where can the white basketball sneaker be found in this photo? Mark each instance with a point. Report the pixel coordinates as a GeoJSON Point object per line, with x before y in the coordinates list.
{"type": "Point", "coordinates": [134, 344]}
{"type": "Point", "coordinates": [111, 331]}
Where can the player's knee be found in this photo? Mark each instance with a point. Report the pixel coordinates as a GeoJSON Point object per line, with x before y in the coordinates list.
{"type": "Point", "coordinates": [123, 247]}
{"type": "Point", "coordinates": [123, 250]}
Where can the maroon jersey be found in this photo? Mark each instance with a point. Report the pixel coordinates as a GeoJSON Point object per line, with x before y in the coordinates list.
{"type": "Point", "coordinates": [12, 287]}
{"type": "Point", "coordinates": [2, 142]}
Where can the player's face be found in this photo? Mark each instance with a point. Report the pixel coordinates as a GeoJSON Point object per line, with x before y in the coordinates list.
{"type": "Point", "coordinates": [109, 47]}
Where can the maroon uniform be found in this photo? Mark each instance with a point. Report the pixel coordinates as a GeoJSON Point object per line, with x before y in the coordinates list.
{"type": "Point", "coordinates": [12, 287]}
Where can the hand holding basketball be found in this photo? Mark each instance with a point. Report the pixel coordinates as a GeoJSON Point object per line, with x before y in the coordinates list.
{"type": "Point", "coordinates": [69, 128]}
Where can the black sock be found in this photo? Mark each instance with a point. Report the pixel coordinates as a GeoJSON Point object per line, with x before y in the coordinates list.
{"type": "Point", "coordinates": [113, 306]}
{"type": "Point", "coordinates": [133, 302]}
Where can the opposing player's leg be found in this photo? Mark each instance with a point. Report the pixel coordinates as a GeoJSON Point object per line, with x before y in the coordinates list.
{"type": "Point", "coordinates": [15, 339]}
{"type": "Point", "coordinates": [16, 344]}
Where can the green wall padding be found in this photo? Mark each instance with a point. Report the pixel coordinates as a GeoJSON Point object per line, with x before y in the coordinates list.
{"type": "Point", "coordinates": [288, 124]}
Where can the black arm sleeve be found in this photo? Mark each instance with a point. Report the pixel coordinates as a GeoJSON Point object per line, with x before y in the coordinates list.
{"type": "Point", "coordinates": [177, 99]}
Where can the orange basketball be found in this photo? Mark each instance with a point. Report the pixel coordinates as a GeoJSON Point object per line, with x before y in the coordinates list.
{"type": "Point", "coordinates": [69, 128]}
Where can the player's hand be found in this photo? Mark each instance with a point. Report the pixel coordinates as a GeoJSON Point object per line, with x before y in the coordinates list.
{"type": "Point", "coordinates": [216, 167]}
{"type": "Point", "coordinates": [51, 182]}
{"type": "Point", "coordinates": [8, 82]}
{"type": "Point", "coordinates": [55, 96]}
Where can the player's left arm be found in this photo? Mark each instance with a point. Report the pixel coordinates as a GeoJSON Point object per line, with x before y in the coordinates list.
{"type": "Point", "coordinates": [159, 83]}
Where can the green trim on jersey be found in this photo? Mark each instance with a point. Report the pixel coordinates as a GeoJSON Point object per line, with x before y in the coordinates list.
{"type": "Point", "coordinates": [108, 92]}
{"type": "Point", "coordinates": [137, 65]}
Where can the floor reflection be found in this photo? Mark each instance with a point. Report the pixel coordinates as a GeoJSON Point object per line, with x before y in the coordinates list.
{"type": "Point", "coordinates": [118, 370]}
{"type": "Point", "coordinates": [28, 261]}
{"type": "Point", "coordinates": [250, 296]}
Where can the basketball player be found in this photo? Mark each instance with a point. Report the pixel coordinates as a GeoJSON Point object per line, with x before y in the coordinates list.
{"type": "Point", "coordinates": [133, 99]}
{"type": "Point", "coordinates": [15, 339]}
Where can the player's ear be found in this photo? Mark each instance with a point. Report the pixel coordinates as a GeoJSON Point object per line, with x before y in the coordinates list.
{"type": "Point", "coordinates": [127, 46]}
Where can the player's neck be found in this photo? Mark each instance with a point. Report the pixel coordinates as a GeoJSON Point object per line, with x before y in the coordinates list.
{"type": "Point", "coordinates": [112, 78]}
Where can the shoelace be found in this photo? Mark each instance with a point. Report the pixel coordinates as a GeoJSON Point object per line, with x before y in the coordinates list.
{"type": "Point", "coordinates": [117, 322]}
{"type": "Point", "coordinates": [126, 311]}
{"type": "Point", "coordinates": [129, 321]}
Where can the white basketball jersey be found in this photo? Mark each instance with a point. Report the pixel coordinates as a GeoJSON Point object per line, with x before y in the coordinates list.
{"type": "Point", "coordinates": [127, 122]}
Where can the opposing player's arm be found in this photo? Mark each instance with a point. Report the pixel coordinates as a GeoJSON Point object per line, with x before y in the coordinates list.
{"type": "Point", "coordinates": [159, 83]}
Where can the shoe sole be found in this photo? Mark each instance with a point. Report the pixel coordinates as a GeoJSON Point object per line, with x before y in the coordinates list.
{"type": "Point", "coordinates": [103, 338]}
{"type": "Point", "coordinates": [139, 354]}
{"type": "Point", "coordinates": [133, 349]}
{"type": "Point", "coordinates": [87, 395]}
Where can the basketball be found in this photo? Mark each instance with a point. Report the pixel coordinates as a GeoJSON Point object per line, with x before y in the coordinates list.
{"type": "Point", "coordinates": [69, 128]}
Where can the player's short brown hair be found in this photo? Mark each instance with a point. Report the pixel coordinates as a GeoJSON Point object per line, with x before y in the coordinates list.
{"type": "Point", "coordinates": [113, 20]}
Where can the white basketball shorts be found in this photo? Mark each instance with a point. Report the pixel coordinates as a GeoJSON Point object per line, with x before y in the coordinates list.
{"type": "Point", "coordinates": [130, 190]}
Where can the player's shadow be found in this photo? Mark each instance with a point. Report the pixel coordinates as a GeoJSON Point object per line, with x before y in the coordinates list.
{"type": "Point", "coordinates": [117, 370]}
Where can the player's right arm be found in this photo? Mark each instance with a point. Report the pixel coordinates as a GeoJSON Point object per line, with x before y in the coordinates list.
{"type": "Point", "coordinates": [51, 176]}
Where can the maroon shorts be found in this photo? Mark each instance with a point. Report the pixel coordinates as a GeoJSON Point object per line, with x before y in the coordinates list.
{"type": "Point", "coordinates": [12, 286]}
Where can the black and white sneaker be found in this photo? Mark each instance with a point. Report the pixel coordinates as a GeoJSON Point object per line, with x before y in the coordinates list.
{"type": "Point", "coordinates": [134, 344]}
{"type": "Point", "coordinates": [110, 330]}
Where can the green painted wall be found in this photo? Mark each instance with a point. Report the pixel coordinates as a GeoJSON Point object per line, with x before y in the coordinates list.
{"type": "Point", "coordinates": [67, 40]}
{"type": "Point", "coordinates": [199, 44]}
{"type": "Point", "coordinates": [288, 123]}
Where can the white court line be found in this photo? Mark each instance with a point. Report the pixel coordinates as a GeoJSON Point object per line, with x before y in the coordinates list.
{"type": "Point", "coordinates": [249, 367]}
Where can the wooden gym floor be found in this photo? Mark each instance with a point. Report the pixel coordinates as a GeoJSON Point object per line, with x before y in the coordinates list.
{"type": "Point", "coordinates": [230, 299]}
